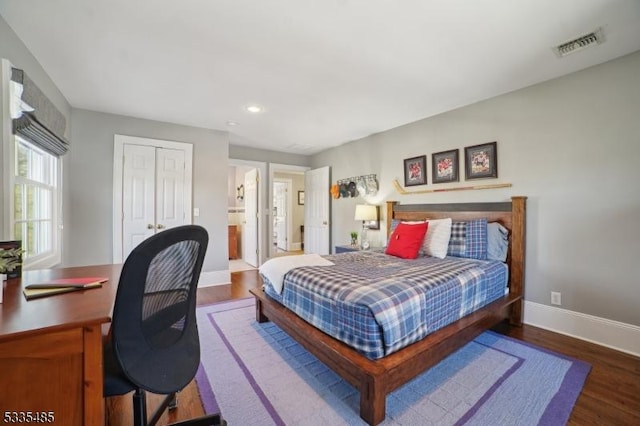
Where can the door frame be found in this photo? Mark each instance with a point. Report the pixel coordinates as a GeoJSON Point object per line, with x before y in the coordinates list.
{"type": "Point", "coordinates": [118, 157]}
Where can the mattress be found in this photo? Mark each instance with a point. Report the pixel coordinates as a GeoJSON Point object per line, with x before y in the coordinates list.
{"type": "Point", "coordinates": [378, 303]}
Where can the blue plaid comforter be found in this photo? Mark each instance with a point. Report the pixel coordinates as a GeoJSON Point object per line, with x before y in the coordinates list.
{"type": "Point", "coordinates": [378, 303]}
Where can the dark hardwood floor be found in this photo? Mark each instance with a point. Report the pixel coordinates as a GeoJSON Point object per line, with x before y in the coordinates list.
{"type": "Point", "coordinates": [611, 395]}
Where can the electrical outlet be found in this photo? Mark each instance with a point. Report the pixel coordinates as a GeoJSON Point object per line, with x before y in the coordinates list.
{"type": "Point", "coordinates": [556, 298]}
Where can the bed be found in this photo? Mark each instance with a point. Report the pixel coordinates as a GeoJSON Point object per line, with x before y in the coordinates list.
{"type": "Point", "coordinates": [375, 378]}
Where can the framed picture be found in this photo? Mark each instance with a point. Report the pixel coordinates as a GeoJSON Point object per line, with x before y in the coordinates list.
{"type": "Point", "coordinates": [444, 166]}
{"type": "Point", "coordinates": [301, 198]}
{"type": "Point", "coordinates": [481, 161]}
{"type": "Point", "coordinates": [415, 171]}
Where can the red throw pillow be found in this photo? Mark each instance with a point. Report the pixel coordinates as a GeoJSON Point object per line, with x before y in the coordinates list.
{"type": "Point", "coordinates": [406, 240]}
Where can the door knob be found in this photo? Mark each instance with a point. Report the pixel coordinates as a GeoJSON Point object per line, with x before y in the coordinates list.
{"type": "Point", "coordinates": [159, 226]}
{"type": "Point", "coordinates": [150, 226]}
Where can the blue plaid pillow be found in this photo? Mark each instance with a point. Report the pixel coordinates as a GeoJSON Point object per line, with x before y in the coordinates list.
{"type": "Point", "coordinates": [469, 239]}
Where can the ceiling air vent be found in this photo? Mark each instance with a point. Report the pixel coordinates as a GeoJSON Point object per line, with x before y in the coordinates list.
{"type": "Point", "coordinates": [580, 43]}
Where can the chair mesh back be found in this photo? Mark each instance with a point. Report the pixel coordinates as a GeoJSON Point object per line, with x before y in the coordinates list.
{"type": "Point", "coordinates": [154, 330]}
{"type": "Point", "coordinates": [166, 292]}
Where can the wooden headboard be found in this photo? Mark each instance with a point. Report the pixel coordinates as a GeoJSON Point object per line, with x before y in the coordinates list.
{"type": "Point", "coordinates": [511, 215]}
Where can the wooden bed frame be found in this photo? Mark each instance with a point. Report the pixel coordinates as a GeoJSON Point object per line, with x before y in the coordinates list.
{"type": "Point", "coordinates": [376, 378]}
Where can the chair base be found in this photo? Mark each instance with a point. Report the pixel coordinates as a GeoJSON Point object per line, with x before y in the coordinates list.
{"type": "Point", "coordinates": [209, 420]}
{"type": "Point", "coordinates": [170, 402]}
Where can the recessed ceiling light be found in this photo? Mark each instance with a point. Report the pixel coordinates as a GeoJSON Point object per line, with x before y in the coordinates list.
{"type": "Point", "coordinates": [254, 109]}
{"type": "Point", "coordinates": [232, 123]}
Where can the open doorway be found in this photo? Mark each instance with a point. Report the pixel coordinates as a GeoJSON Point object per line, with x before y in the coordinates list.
{"type": "Point", "coordinates": [244, 214]}
{"type": "Point", "coordinates": [282, 215]}
{"type": "Point", "coordinates": [287, 207]}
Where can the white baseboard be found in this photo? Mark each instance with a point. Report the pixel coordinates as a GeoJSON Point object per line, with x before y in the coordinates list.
{"type": "Point", "coordinates": [612, 334]}
{"type": "Point", "coordinates": [296, 246]}
{"type": "Point", "coordinates": [212, 278]}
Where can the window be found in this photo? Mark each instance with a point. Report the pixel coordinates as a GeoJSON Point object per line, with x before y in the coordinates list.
{"type": "Point", "coordinates": [35, 204]}
{"type": "Point", "coordinates": [30, 150]}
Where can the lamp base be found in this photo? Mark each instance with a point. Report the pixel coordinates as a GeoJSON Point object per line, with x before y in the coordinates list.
{"type": "Point", "coordinates": [364, 240]}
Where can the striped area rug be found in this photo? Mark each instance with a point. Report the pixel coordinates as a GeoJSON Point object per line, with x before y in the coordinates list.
{"type": "Point", "coordinates": [254, 374]}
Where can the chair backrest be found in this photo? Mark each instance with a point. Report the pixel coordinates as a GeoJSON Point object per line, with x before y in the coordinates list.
{"type": "Point", "coordinates": [154, 331]}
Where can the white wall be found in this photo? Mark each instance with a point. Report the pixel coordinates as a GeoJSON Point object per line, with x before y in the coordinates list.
{"type": "Point", "coordinates": [572, 145]}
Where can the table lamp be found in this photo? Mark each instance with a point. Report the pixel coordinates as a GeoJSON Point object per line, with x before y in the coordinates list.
{"type": "Point", "coordinates": [366, 213]}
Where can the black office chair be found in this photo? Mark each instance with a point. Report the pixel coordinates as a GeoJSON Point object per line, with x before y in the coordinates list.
{"type": "Point", "coordinates": [154, 344]}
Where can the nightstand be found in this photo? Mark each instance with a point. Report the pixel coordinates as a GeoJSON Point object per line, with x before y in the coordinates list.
{"type": "Point", "coordinates": [346, 249]}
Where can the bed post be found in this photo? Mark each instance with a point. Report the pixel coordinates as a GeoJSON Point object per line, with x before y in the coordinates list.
{"type": "Point", "coordinates": [390, 206]}
{"type": "Point", "coordinates": [518, 218]}
{"type": "Point", "coordinates": [372, 400]}
{"type": "Point", "coordinates": [260, 316]}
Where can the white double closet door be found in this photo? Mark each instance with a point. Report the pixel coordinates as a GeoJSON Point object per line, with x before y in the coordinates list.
{"type": "Point", "coordinates": [156, 188]}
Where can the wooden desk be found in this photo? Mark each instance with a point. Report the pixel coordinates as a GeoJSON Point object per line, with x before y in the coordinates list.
{"type": "Point", "coordinates": [51, 348]}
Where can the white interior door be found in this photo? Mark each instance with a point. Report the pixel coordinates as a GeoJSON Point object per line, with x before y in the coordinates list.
{"type": "Point", "coordinates": [317, 238]}
{"type": "Point", "coordinates": [152, 190]}
{"type": "Point", "coordinates": [138, 195]}
{"type": "Point", "coordinates": [170, 209]}
{"type": "Point", "coordinates": [281, 206]}
{"type": "Point", "coordinates": [250, 229]}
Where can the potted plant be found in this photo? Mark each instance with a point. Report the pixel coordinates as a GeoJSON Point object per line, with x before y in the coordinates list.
{"type": "Point", "coordinates": [354, 239]}
{"type": "Point", "coordinates": [10, 262]}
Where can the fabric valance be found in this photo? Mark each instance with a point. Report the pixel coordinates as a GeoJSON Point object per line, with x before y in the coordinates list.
{"type": "Point", "coordinates": [42, 123]}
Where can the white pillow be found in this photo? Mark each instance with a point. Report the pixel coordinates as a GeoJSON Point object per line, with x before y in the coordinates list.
{"type": "Point", "coordinates": [436, 242]}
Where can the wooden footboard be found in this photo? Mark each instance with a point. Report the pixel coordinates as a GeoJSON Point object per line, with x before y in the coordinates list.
{"type": "Point", "coordinates": [377, 378]}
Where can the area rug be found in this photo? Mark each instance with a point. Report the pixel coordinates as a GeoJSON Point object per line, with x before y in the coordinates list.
{"type": "Point", "coordinates": [255, 374]}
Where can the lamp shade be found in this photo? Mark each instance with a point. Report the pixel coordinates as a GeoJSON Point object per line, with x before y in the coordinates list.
{"type": "Point", "coordinates": [366, 212]}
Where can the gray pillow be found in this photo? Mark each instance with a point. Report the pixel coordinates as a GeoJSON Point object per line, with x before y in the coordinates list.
{"type": "Point", "coordinates": [497, 242]}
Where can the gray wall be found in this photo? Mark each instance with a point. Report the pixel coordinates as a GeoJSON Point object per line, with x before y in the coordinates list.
{"type": "Point", "coordinates": [238, 152]}
{"type": "Point", "coordinates": [266, 158]}
{"type": "Point", "coordinates": [572, 145]}
{"type": "Point", "coordinates": [13, 49]}
{"type": "Point", "coordinates": [89, 238]}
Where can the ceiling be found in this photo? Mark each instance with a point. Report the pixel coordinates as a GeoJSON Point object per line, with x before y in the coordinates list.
{"type": "Point", "coordinates": [325, 71]}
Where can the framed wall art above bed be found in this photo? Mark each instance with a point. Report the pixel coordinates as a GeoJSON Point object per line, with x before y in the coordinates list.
{"type": "Point", "coordinates": [415, 171]}
{"type": "Point", "coordinates": [481, 161]}
{"type": "Point", "coordinates": [444, 166]}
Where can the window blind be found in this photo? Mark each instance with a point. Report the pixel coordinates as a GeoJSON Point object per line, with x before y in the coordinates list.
{"type": "Point", "coordinates": [45, 125]}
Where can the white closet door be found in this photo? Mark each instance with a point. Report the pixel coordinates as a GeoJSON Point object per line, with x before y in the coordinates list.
{"type": "Point", "coordinates": [138, 196]}
{"type": "Point", "coordinates": [152, 189]}
{"type": "Point", "coordinates": [170, 211]}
